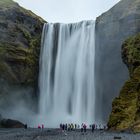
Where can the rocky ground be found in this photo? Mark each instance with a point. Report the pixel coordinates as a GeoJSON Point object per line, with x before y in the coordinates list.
{"type": "Point", "coordinates": [53, 134]}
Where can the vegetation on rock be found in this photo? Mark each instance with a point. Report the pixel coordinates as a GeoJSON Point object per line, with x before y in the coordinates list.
{"type": "Point", "coordinates": [20, 37]}
{"type": "Point", "coordinates": [131, 53]}
{"type": "Point", "coordinates": [126, 108]}
{"type": "Point", "coordinates": [112, 28]}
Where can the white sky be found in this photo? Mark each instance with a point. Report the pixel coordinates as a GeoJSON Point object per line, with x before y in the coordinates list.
{"type": "Point", "coordinates": [67, 10]}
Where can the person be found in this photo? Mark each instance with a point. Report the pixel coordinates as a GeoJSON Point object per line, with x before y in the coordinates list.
{"type": "Point", "coordinates": [42, 126]}
{"type": "Point", "coordinates": [69, 127]}
{"type": "Point", "coordinates": [66, 127]}
{"type": "Point", "coordinates": [60, 126]}
{"type": "Point", "coordinates": [93, 127]}
{"type": "Point", "coordinates": [85, 127]}
{"type": "Point", "coordinates": [90, 126]}
{"type": "Point", "coordinates": [39, 127]}
{"type": "Point", "coordinates": [82, 127]}
{"type": "Point", "coordinates": [78, 126]}
{"type": "Point", "coordinates": [63, 127]}
{"type": "Point", "coordinates": [75, 126]}
{"type": "Point", "coordinates": [72, 126]}
{"type": "Point", "coordinates": [25, 126]}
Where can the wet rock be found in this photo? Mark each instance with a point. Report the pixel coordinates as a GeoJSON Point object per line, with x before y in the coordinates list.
{"type": "Point", "coordinates": [20, 36]}
{"type": "Point", "coordinates": [9, 123]}
{"type": "Point", "coordinates": [126, 108]}
{"type": "Point", "coordinates": [112, 29]}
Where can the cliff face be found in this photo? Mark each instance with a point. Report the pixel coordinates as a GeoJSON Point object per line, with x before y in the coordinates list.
{"type": "Point", "coordinates": [20, 35]}
{"type": "Point", "coordinates": [126, 108]}
{"type": "Point", "coordinates": [112, 28]}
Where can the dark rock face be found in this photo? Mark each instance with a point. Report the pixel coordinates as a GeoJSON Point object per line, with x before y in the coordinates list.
{"type": "Point", "coordinates": [20, 35]}
{"type": "Point", "coordinates": [8, 123]}
{"type": "Point", "coordinates": [112, 28]}
{"type": "Point", "coordinates": [126, 108]}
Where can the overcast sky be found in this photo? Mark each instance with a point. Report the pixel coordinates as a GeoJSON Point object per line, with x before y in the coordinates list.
{"type": "Point", "coordinates": [68, 10]}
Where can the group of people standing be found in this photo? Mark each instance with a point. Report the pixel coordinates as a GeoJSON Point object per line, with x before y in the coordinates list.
{"type": "Point", "coordinates": [69, 127]}
{"type": "Point", "coordinates": [41, 126]}
{"type": "Point", "coordinates": [83, 127]}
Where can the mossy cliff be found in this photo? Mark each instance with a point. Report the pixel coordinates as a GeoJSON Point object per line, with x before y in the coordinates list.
{"type": "Point", "coordinates": [126, 108]}
{"type": "Point", "coordinates": [20, 36]}
{"type": "Point", "coordinates": [112, 29]}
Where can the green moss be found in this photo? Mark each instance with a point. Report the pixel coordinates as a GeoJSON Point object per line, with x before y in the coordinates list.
{"type": "Point", "coordinates": [24, 31]}
{"type": "Point", "coordinates": [19, 50]}
{"type": "Point", "coordinates": [24, 59]}
{"type": "Point", "coordinates": [126, 108]}
{"type": "Point", "coordinates": [123, 113]}
{"type": "Point", "coordinates": [131, 52]}
{"type": "Point", "coordinates": [6, 72]}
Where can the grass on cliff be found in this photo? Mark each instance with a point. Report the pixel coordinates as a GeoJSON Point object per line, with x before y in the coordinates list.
{"type": "Point", "coordinates": [126, 108]}
{"type": "Point", "coordinates": [123, 113]}
{"type": "Point", "coordinates": [24, 57]}
{"type": "Point", "coordinates": [131, 52]}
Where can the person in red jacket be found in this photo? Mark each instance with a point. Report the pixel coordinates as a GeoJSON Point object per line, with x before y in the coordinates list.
{"type": "Point", "coordinates": [39, 127]}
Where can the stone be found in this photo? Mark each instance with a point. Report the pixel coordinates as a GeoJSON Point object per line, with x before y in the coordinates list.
{"type": "Point", "coordinates": [9, 123]}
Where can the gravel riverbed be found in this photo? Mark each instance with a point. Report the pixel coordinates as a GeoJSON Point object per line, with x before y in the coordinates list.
{"type": "Point", "coordinates": [55, 134]}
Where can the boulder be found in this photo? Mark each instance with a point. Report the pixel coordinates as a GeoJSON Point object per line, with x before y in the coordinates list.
{"type": "Point", "coordinates": [8, 123]}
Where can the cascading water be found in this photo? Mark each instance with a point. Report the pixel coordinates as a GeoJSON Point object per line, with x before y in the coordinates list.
{"type": "Point", "coordinates": [66, 80]}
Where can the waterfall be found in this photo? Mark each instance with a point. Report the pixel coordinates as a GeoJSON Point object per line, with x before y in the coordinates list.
{"type": "Point", "coordinates": [66, 76]}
